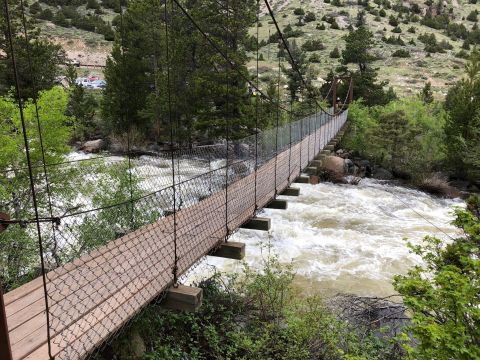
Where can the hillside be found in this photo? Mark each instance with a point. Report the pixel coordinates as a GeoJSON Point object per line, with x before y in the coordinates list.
{"type": "Point", "coordinates": [88, 40]}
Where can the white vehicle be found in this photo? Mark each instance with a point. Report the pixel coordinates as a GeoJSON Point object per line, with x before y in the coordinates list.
{"type": "Point", "coordinates": [82, 81]}
{"type": "Point", "coordinates": [98, 84]}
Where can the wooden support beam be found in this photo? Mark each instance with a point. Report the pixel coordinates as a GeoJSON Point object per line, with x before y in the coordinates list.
{"type": "Point", "coordinates": [320, 156]}
{"type": "Point", "coordinates": [291, 191]}
{"type": "Point", "coordinates": [330, 147]}
{"type": "Point", "coordinates": [257, 223]}
{"type": "Point", "coordinates": [302, 179]}
{"type": "Point", "coordinates": [184, 298]}
{"type": "Point", "coordinates": [5, 349]}
{"type": "Point", "coordinates": [316, 163]}
{"type": "Point", "coordinates": [230, 250]}
{"type": "Point", "coordinates": [314, 180]}
{"type": "Point", "coordinates": [277, 204]}
{"type": "Point", "coordinates": [325, 152]}
{"type": "Point", "coordinates": [311, 170]}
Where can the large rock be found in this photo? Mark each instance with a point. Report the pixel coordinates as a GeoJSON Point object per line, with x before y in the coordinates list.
{"type": "Point", "coordinates": [93, 146]}
{"type": "Point", "coordinates": [334, 164]}
{"type": "Point", "coordinates": [382, 174]}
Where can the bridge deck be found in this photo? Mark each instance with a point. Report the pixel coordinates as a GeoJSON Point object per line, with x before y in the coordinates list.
{"type": "Point", "coordinates": [93, 296]}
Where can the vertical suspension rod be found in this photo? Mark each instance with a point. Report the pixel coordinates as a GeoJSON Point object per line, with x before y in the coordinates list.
{"type": "Point", "coordinates": [172, 154]}
{"type": "Point", "coordinates": [277, 123]}
{"type": "Point", "coordinates": [257, 110]}
{"type": "Point", "coordinates": [227, 118]}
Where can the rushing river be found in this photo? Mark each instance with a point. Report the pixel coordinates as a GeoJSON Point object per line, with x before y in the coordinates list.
{"type": "Point", "coordinates": [346, 238]}
{"type": "Point", "coordinates": [339, 238]}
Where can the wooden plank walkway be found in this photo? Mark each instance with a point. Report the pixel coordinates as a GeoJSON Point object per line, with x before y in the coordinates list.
{"type": "Point", "coordinates": [96, 294]}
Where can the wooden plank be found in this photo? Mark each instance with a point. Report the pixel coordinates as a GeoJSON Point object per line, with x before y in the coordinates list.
{"type": "Point", "coordinates": [5, 349]}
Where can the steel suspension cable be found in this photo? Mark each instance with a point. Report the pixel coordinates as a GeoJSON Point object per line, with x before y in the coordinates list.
{"type": "Point", "coordinates": [172, 154]}
{"type": "Point", "coordinates": [30, 171]}
{"type": "Point", "coordinates": [125, 117]}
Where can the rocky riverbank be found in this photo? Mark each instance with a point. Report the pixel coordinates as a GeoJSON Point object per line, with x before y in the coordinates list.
{"type": "Point", "coordinates": [344, 167]}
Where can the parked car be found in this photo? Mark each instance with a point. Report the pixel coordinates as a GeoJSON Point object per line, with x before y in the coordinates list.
{"type": "Point", "coordinates": [98, 84]}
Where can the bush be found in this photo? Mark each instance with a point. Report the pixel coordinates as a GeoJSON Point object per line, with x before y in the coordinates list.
{"type": "Point", "coordinates": [431, 44]}
{"type": "Point", "coordinates": [393, 21]}
{"type": "Point", "coordinates": [442, 293]}
{"type": "Point", "coordinates": [321, 26]}
{"type": "Point", "coordinates": [93, 4]}
{"type": "Point", "coordinates": [401, 53]}
{"type": "Point", "coordinates": [35, 8]}
{"type": "Point", "coordinates": [438, 185]}
{"type": "Point", "coordinates": [255, 315]}
{"type": "Point", "coordinates": [382, 13]}
{"type": "Point", "coordinates": [473, 16]}
{"type": "Point", "coordinates": [389, 135]}
{"type": "Point", "coordinates": [315, 58]}
{"type": "Point", "coordinates": [313, 45]}
{"type": "Point", "coordinates": [397, 30]}
{"type": "Point", "coordinates": [310, 17]}
{"type": "Point", "coordinates": [334, 25]}
{"type": "Point", "coordinates": [392, 40]}
{"type": "Point", "coordinates": [411, 30]}
{"type": "Point", "coordinates": [299, 12]}
{"type": "Point", "coordinates": [335, 53]}
{"type": "Point", "coordinates": [436, 22]}
{"type": "Point", "coordinates": [46, 14]}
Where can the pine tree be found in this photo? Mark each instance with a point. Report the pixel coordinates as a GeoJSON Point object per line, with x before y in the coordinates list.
{"type": "Point", "coordinates": [463, 106]}
{"type": "Point", "coordinates": [45, 56]}
{"type": "Point", "coordinates": [427, 93]}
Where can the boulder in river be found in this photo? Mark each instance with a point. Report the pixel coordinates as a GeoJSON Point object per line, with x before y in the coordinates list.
{"type": "Point", "coordinates": [334, 164]}
{"type": "Point", "coordinates": [382, 174]}
{"type": "Point", "coordinates": [93, 146]}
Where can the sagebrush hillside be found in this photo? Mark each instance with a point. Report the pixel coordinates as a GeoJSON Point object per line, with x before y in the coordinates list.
{"type": "Point", "coordinates": [415, 41]}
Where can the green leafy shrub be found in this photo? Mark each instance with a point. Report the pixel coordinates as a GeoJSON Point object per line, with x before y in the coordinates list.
{"type": "Point", "coordinates": [404, 135]}
{"type": "Point", "coordinates": [442, 294]}
{"type": "Point", "coordinates": [254, 316]}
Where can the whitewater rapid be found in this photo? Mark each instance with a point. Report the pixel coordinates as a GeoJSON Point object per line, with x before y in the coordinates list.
{"type": "Point", "coordinates": [345, 238]}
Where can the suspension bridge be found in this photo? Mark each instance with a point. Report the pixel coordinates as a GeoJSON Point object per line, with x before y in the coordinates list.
{"type": "Point", "coordinates": [94, 278]}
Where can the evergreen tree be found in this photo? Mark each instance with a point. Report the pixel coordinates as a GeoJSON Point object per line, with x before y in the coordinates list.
{"type": "Point", "coordinates": [295, 73]}
{"type": "Point", "coordinates": [463, 123]}
{"type": "Point", "coordinates": [45, 57]}
{"type": "Point", "coordinates": [205, 90]}
{"type": "Point", "coordinates": [427, 93]}
{"type": "Point", "coordinates": [359, 42]}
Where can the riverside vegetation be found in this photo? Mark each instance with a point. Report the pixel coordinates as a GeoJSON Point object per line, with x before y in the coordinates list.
{"type": "Point", "coordinates": [256, 315]}
{"type": "Point", "coordinates": [259, 314]}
